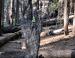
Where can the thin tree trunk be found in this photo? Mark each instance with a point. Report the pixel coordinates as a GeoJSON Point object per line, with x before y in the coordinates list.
{"type": "Point", "coordinates": [71, 6]}
{"type": "Point", "coordinates": [10, 11]}
{"type": "Point", "coordinates": [15, 12]}
{"type": "Point", "coordinates": [0, 14]}
{"type": "Point", "coordinates": [39, 16]}
{"type": "Point", "coordinates": [5, 22]}
{"type": "Point", "coordinates": [66, 16]}
{"type": "Point", "coordinates": [60, 9]}
{"type": "Point", "coordinates": [74, 20]}
{"type": "Point", "coordinates": [7, 12]}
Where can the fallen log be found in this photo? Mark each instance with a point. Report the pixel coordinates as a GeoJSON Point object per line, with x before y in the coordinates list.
{"type": "Point", "coordinates": [57, 53]}
{"type": "Point", "coordinates": [53, 21]}
{"type": "Point", "coordinates": [8, 37]}
{"type": "Point", "coordinates": [59, 31]}
{"type": "Point", "coordinates": [54, 32]}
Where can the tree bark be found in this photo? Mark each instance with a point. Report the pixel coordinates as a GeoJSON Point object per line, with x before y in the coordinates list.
{"type": "Point", "coordinates": [5, 23]}
{"type": "Point", "coordinates": [74, 20]}
{"type": "Point", "coordinates": [71, 6]}
{"type": "Point", "coordinates": [7, 12]}
{"type": "Point", "coordinates": [15, 11]}
{"type": "Point", "coordinates": [60, 9]}
{"type": "Point", "coordinates": [0, 14]}
{"type": "Point", "coordinates": [66, 16]}
{"type": "Point", "coordinates": [30, 30]}
{"type": "Point", "coordinates": [10, 12]}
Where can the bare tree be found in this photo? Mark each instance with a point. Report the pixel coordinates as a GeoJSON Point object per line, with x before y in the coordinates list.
{"type": "Point", "coordinates": [5, 23]}
{"type": "Point", "coordinates": [15, 14]}
{"type": "Point", "coordinates": [66, 16]}
{"type": "Point", "coordinates": [7, 12]}
{"type": "Point", "coordinates": [60, 9]}
{"type": "Point", "coordinates": [71, 6]}
{"type": "Point", "coordinates": [10, 11]}
{"type": "Point", "coordinates": [74, 20]}
{"type": "Point", "coordinates": [0, 14]}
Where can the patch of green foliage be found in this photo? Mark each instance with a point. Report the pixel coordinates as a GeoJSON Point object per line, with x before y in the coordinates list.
{"type": "Point", "coordinates": [53, 5]}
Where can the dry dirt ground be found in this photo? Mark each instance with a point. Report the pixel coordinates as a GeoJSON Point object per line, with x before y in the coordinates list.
{"type": "Point", "coordinates": [56, 42]}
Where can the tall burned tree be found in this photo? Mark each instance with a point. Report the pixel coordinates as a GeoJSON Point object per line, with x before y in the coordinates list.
{"type": "Point", "coordinates": [4, 13]}
{"type": "Point", "coordinates": [0, 14]}
{"type": "Point", "coordinates": [29, 26]}
{"type": "Point", "coordinates": [60, 12]}
{"type": "Point", "coordinates": [7, 12]}
{"type": "Point", "coordinates": [15, 14]}
{"type": "Point", "coordinates": [10, 12]}
{"type": "Point", "coordinates": [60, 9]}
{"type": "Point", "coordinates": [71, 6]}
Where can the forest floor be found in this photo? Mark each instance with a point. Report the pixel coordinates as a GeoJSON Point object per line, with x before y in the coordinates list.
{"type": "Point", "coordinates": [56, 42]}
{"type": "Point", "coordinates": [46, 39]}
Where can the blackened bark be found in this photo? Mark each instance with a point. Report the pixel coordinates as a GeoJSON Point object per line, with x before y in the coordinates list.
{"type": "Point", "coordinates": [60, 9]}
{"type": "Point", "coordinates": [30, 30]}
{"type": "Point", "coordinates": [39, 19]}
{"type": "Point", "coordinates": [71, 6]}
{"type": "Point", "coordinates": [4, 13]}
{"type": "Point", "coordinates": [9, 11]}
{"type": "Point", "coordinates": [0, 14]}
{"type": "Point", "coordinates": [15, 11]}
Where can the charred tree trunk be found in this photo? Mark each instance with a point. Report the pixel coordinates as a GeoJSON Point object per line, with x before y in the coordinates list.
{"type": "Point", "coordinates": [7, 12]}
{"type": "Point", "coordinates": [60, 9]}
{"type": "Point", "coordinates": [40, 15]}
{"type": "Point", "coordinates": [60, 12]}
{"type": "Point", "coordinates": [39, 12]}
{"type": "Point", "coordinates": [0, 14]}
{"type": "Point", "coordinates": [30, 30]}
{"type": "Point", "coordinates": [15, 11]}
{"type": "Point", "coordinates": [71, 6]}
{"type": "Point", "coordinates": [5, 23]}
{"type": "Point", "coordinates": [66, 16]}
{"type": "Point", "coordinates": [74, 20]}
